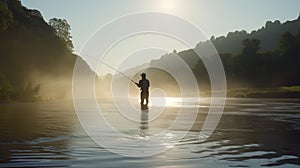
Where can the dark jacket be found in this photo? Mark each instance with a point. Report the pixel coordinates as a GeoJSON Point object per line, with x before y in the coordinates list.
{"type": "Point", "coordinates": [144, 85]}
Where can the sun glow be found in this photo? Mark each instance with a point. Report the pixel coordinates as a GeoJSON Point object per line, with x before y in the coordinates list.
{"type": "Point", "coordinates": [166, 101]}
{"type": "Point", "coordinates": [169, 5]}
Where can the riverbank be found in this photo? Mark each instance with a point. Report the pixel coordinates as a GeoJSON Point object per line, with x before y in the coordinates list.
{"type": "Point", "coordinates": [280, 92]}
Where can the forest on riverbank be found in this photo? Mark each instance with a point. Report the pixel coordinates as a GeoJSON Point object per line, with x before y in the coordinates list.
{"type": "Point", "coordinates": [36, 56]}
{"type": "Point", "coordinates": [37, 59]}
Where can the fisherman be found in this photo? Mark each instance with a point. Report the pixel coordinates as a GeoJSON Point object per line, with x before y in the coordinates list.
{"type": "Point", "coordinates": [144, 86]}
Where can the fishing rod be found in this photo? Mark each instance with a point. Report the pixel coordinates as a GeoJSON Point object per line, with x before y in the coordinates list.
{"type": "Point", "coordinates": [118, 72]}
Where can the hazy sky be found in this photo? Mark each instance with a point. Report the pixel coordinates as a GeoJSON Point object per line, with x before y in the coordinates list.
{"type": "Point", "coordinates": [215, 17]}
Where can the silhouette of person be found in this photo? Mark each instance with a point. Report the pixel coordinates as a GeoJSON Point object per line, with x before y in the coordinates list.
{"type": "Point", "coordinates": [144, 85]}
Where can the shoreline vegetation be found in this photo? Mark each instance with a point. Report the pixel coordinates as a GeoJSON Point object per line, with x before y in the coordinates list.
{"type": "Point", "coordinates": [277, 92]}
{"type": "Point", "coordinates": [37, 56]}
{"type": "Point", "coordinates": [37, 60]}
{"type": "Point", "coordinates": [30, 94]}
{"type": "Point", "coordinates": [11, 94]}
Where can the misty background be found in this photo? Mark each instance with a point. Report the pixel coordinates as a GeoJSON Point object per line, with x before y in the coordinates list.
{"type": "Point", "coordinates": [37, 60]}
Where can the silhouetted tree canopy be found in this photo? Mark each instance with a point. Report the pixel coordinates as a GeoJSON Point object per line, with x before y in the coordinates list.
{"type": "Point", "coordinates": [251, 47]}
{"type": "Point", "coordinates": [246, 64]}
{"type": "Point", "coordinates": [6, 16]}
{"type": "Point", "coordinates": [62, 29]}
{"type": "Point", "coordinates": [251, 68]}
{"type": "Point", "coordinates": [6, 89]}
{"type": "Point", "coordinates": [36, 54]}
{"type": "Point", "coordinates": [32, 53]}
{"type": "Point", "coordinates": [268, 35]}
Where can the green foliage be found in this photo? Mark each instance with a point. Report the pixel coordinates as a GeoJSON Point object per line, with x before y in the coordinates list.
{"type": "Point", "coordinates": [256, 69]}
{"type": "Point", "coordinates": [287, 42]}
{"type": "Point", "coordinates": [251, 47]}
{"type": "Point", "coordinates": [268, 35]}
{"type": "Point", "coordinates": [29, 93]}
{"type": "Point", "coordinates": [8, 93]}
{"type": "Point", "coordinates": [6, 89]}
{"type": "Point", "coordinates": [291, 88]}
{"type": "Point", "coordinates": [6, 17]}
{"type": "Point", "coordinates": [278, 92]}
{"type": "Point", "coordinates": [62, 29]}
{"type": "Point", "coordinates": [30, 50]}
{"type": "Point", "coordinates": [251, 67]}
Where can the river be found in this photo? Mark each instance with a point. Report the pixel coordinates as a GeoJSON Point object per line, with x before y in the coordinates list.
{"type": "Point", "coordinates": [251, 133]}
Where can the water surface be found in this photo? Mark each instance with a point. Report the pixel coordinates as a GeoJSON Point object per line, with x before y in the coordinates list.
{"type": "Point", "coordinates": [251, 133]}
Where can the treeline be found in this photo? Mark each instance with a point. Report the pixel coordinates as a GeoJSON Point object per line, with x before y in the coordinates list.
{"type": "Point", "coordinates": [9, 93]}
{"type": "Point", "coordinates": [256, 69]}
{"type": "Point", "coordinates": [35, 55]}
{"type": "Point", "coordinates": [263, 63]}
{"type": "Point", "coordinates": [269, 35]}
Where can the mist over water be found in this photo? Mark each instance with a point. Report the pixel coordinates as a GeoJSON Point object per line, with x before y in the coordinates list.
{"type": "Point", "coordinates": [39, 65]}
{"type": "Point", "coordinates": [251, 133]}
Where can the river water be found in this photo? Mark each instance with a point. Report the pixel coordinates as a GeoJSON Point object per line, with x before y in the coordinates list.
{"type": "Point", "coordinates": [251, 133]}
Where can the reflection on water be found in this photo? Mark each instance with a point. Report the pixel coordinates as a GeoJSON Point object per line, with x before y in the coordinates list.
{"type": "Point", "coordinates": [144, 119]}
{"type": "Point", "coordinates": [144, 123]}
{"type": "Point", "coordinates": [251, 133]}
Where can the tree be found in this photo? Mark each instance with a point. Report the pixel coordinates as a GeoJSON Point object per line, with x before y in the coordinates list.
{"type": "Point", "coordinates": [62, 30]}
{"type": "Point", "coordinates": [287, 43]}
{"type": "Point", "coordinates": [6, 17]}
{"type": "Point", "coordinates": [251, 47]}
{"type": "Point", "coordinates": [28, 93]}
{"type": "Point", "coordinates": [6, 89]}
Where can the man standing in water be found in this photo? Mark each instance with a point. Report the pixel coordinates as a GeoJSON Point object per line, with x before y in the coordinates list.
{"type": "Point", "coordinates": [144, 86]}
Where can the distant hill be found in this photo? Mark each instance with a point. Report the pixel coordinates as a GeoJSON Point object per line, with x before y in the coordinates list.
{"type": "Point", "coordinates": [265, 58]}
{"type": "Point", "coordinates": [35, 60]}
{"type": "Point", "coordinates": [268, 35]}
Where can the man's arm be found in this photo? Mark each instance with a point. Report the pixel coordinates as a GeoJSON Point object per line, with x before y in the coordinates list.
{"type": "Point", "coordinates": [138, 84]}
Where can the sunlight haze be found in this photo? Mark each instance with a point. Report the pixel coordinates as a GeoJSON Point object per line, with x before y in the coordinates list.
{"type": "Point", "coordinates": [213, 17]}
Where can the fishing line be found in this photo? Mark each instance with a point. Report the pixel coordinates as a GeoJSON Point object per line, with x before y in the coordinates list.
{"type": "Point", "coordinates": [118, 71]}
